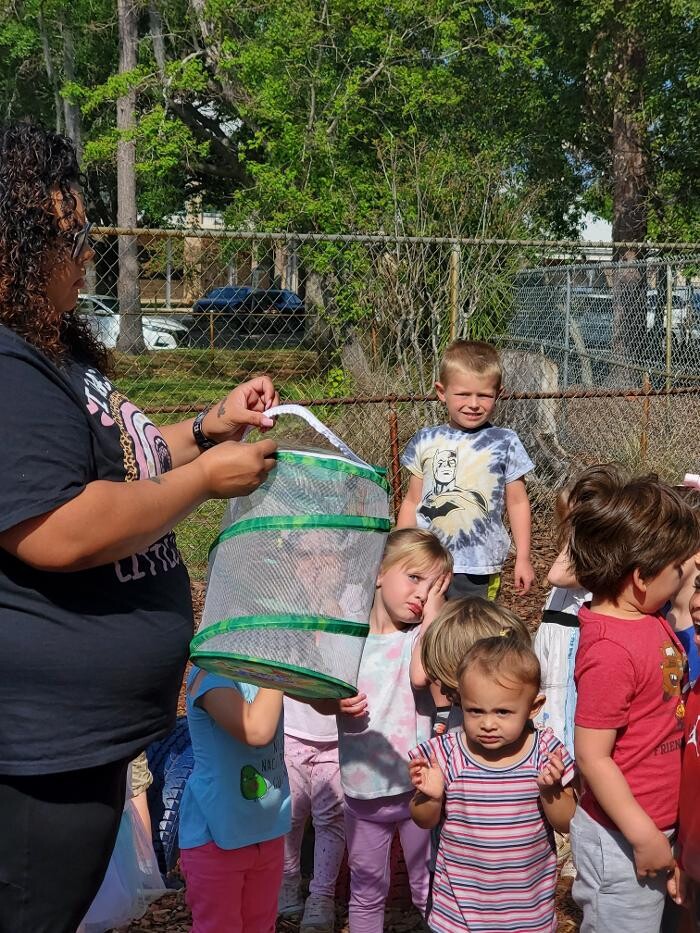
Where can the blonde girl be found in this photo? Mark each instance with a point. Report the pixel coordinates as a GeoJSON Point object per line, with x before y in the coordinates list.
{"type": "Point", "coordinates": [390, 714]}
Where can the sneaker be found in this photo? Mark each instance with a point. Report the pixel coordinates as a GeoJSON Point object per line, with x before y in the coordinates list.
{"type": "Point", "coordinates": [290, 902]}
{"type": "Point", "coordinates": [319, 914]}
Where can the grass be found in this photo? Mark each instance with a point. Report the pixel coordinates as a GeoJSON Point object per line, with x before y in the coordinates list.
{"type": "Point", "coordinates": [195, 535]}
{"type": "Point", "coordinates": [197, 377]}
{"type": "Point", "coordinates": [194, 378]}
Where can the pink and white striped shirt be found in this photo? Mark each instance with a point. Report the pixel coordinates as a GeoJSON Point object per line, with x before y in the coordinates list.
{"type": "Point", "coordinates": [496, 863]}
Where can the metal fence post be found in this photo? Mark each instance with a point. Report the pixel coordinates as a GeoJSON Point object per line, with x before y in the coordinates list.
{"type": "Point", "coordinates": [168, 271]}
{"type": "Point", "coordinates": [567, 328]}
{"type": "Point", "coordinates": [394, 460]}
{"type": "Point", "coordinates": [455, 262]}
{"type": "Point", "coordinates": [669, 324]}
{"type": "Point", "coordinates": [646, 419]}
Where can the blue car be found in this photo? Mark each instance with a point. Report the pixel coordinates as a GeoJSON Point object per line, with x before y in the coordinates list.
{"type": "Point", "coordinates": [235, 315]}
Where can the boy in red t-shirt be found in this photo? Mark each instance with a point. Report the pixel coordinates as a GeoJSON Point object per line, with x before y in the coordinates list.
{"type": "Point", "coordinates": [689, 819]}
{"type": "Point", "coordinates": [628, 542]}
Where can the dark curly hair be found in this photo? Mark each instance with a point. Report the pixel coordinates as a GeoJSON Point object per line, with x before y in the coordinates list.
{"type": "Point", "coordinates": [34, 163]}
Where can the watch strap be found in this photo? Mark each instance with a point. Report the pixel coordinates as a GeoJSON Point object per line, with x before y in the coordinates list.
{"type": "Point", "coordinates": [200, 438]}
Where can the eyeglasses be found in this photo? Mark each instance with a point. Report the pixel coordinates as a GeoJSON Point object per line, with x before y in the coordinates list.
{"type": "Point", "coordinates": [81, 240]}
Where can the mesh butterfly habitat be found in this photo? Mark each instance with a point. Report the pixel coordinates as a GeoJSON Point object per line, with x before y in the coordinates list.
{"type": "Point", "coordinates": [291, 575]}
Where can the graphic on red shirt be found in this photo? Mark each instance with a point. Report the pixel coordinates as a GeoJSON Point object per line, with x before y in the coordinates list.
{"type": "Point", "coordinates": [672, 666]}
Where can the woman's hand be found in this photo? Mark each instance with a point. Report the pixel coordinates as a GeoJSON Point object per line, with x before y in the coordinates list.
{"type": "Point", "coordinates": [232, 469]}
{"type": "Point", "coordinates": [427, 777]}
{"type": "Point", "coordinates": [243, 407]}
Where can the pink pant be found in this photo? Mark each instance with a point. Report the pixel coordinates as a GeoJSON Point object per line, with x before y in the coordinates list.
{"type": "Point", "coordinates": [233, 890]}
{"type": "Point", "coordinates": [314, 781]}
{"type": "Point", "coordinates": [369, 827]}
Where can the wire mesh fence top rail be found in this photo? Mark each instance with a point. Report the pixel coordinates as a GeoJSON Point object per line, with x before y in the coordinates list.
{"type": "Point", "coordinates": [643, 246]}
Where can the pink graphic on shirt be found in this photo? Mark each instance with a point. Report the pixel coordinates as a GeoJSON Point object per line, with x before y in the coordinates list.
{"type": "Point", "coordinates": [144, 448]}
{"type": "Point", "coordinates": [148, 444]}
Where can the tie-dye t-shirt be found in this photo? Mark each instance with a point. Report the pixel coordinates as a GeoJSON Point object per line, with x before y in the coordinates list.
{"type": "Point", "coordinates": [374, 750]}
{"type": "Point", "coordinates": [464, 475]}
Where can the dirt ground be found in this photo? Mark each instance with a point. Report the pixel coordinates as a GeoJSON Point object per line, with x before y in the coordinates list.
{"type": "Point", "coordinates": [170, 913]}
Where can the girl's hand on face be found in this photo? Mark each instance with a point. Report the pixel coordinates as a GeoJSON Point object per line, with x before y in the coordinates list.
{"type": "Point", "coordinates": [552, 773]}
{"type": "Point", "coordinates": [427, 777]}
{"type": "Point", "coordinates": [436, 597]}
{"type": "Point", "coordinates": [243, 407]}
{"type": "Point", "coordinates": [356, 706]}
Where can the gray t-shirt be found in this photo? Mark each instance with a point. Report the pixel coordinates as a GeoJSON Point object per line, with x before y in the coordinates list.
{"type": "Point", "coordinates": [465, 473]}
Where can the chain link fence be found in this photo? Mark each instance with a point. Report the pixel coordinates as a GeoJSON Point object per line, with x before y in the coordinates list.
{"type": "Point", "coordinates": [600, 348]}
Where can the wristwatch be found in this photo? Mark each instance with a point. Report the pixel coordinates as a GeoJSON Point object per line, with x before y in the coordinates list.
{"type": "Point", "coordinates": [200, 438]}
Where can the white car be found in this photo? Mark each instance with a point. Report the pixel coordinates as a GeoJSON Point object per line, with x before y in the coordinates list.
{"type": "Point", "coordinates": [159, 333]}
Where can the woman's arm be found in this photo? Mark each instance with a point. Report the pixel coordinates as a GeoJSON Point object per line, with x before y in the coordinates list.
{"type": "Point", "coordinates": [243, 407]}
{"type": "Point", "coordinates": [111, 520]}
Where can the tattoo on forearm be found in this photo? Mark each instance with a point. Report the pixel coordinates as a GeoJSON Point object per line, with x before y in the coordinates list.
{"type": "Point", "coordinates": [222, 409]}
{"type": "Point", "coordinates": [155, 479]}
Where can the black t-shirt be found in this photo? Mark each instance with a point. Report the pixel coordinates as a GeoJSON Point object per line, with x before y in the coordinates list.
{"type": "Point", "coordinates": [90, 662]}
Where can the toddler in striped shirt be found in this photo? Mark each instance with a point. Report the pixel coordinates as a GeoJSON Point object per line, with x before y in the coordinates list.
{"type": "Point", "coordinates": [503, 784]}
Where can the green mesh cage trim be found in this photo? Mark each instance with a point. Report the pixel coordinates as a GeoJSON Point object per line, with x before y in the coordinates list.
{"type": "Point", "coordinates": [376, 474]}
{"type": "Point", "coordinates": [294, 522]}
{"type": "Point", "coordinates": [298, 681]}
{"type": "Point", "coordinates": [298, 622]}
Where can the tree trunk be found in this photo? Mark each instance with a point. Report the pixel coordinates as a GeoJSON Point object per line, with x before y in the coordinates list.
{"type": "Point", "coordinates": [156, 28]}
{"type": "Point", "coordinates": [50, 72]}
{"type": "Point", "coordinates": [130, 330]}
{"type": "Point", "coordinates": [71, 112]}
{"type": "Point", "coordinates": [630, 176]}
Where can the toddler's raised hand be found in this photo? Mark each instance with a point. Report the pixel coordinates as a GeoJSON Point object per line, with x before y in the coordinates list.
{"type": "Point", "coordinates": [356, 706]}
{"type": "Point", "coordinates": [552, 772]}
{"type": "Point", "coordinates": [427, 777]}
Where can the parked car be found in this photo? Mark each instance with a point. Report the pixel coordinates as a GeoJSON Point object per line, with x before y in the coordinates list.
{"type": "Point", "coordinates": [228, 315]}
{"type": "Point", "coordinates": [539, 321]}
{"type": "Point", "coordinates": [159, 332]}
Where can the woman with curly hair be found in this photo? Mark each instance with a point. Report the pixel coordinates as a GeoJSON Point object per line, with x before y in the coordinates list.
{"type": "Point", "coordinates": [95, 608]}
